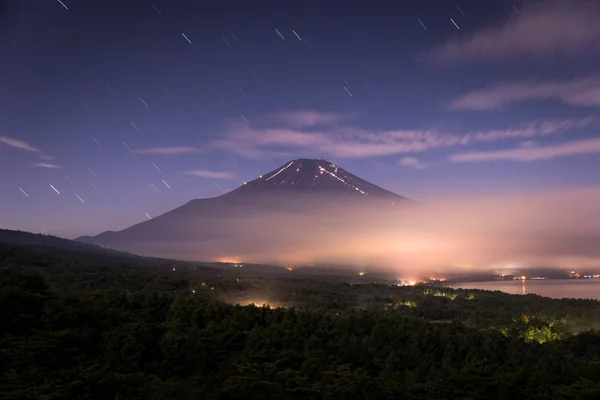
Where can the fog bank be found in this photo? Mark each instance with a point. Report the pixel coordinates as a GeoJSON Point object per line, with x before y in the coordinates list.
{"type": "Point", "coordinates": [526, 231]}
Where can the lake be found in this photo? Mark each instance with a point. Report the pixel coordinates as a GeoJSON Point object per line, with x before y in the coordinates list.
{"type": "Point", "coordinates": [556, 288]}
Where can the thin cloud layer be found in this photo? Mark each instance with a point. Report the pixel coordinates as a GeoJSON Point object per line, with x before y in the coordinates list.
{"type": "Point", "coordinates": [412, 162]}
{"type": "Point", "coordinates": [18, 144]}
{"type": "Point", "coordinates": [202, 173]}
{"type": "Point", "coordinates": [168, 151]}
{"type": "Point", "coordinates": [349, 142]}
{"type": "Point", "coordinates": [578, 92]}
{"type": "Point", "coordinates": [573, 148]}
{"type": "Point", "coordinates": [542, 29]}
{"type": "Point", "coordinates": [304, 119]}
{"type": "Point", "coordinates": [46, 165]}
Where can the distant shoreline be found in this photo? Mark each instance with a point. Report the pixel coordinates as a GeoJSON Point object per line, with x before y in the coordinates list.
{"type": "Point", "coordinates": [459, 282]}
{"type": "Point", "coordinates": [568, 288]}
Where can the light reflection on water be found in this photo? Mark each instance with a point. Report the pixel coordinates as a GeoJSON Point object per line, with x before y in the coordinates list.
{"type": "Point", "coordinates": [556, 288]}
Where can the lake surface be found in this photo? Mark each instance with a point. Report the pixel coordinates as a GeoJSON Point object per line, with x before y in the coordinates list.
{"type": "Point", "coordinates": [556, 288]}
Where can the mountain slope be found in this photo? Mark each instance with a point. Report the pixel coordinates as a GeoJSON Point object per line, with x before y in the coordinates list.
{"type": "Point", "coordinates": [37, 240]}
{"type": "Point", "coordinates": [252, 215]}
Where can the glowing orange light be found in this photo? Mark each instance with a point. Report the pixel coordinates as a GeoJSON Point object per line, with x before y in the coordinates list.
{"type": "Point", "coordinates": [258, 303]}
{"type": "Point", "coordinates": [229, 260]}
{"type": "Point", "coordinates": [408, 282]}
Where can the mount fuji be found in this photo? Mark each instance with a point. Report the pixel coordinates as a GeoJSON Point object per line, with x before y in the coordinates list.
{"type": "Point", "coordinates": [304, 196]}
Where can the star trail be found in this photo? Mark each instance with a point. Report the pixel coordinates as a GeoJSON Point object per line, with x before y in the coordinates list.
{"type": "Point", "coordinates": [114, 111]}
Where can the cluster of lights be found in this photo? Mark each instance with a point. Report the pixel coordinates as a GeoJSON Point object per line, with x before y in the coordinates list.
{"type": "Point", "coordinates": [437, 279]}
{"type": "Point", "coordinates": [408, 282]}
{"type": "Point", "coordinates": [413, 281]}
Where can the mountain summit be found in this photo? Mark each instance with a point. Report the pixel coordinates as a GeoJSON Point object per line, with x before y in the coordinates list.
{"type": "Point", "coordinates": [297, 195]}
{"type": "Point", "coordinates": [314, 176]}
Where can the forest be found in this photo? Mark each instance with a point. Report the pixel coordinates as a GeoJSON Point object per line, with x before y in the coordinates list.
{"type": "Point", "coordinates": [78, 324]}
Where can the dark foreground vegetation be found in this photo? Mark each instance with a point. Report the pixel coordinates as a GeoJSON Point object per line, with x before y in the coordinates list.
{"type": "Point", "coordinates": [75, 325]}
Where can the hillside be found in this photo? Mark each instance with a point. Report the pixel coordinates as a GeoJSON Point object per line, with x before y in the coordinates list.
{"type": "Point", "coordinates": [91, 329]}
{"type": "Point", "coordinates": [23, 238]}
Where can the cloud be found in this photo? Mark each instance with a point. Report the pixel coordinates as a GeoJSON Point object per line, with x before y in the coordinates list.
{"type": "Point", "coordinates": [168, 151]}
{"type": "Point", "coordinates": [578, 92]}
{"type": "Point", "coordinates": [211, 174]}
{"type": "Point", "coordinates": [412, 162]}
{"type": "Point", "coordinates": [528, 144]}
{"type": "Point", "coordinates": [18, 144]}
{"type": "Point", "coordinates": [523, 154]}
{"type": "Point", "coordinates": [47, 165]}
{"type": "Point", "coordinates": [304, 119]}
{"type": "Point", "coordinates": [349, 142]}
{"type": "Point", "coordinates": [541, 29]}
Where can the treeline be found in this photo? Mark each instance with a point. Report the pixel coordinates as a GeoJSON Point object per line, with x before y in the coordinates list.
{"type": "Point", "coordinates": [23, 238]}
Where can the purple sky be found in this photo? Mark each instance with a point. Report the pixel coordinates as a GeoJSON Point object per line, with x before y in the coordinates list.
{"type": "Point", "coordinates": [128, 108]}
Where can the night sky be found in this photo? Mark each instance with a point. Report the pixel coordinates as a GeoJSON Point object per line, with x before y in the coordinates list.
{"type": "Point", "coordinates": [113, 109]}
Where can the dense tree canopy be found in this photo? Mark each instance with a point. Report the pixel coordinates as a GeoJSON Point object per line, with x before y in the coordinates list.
{"type": "Point", "coordinates": [86, 327]}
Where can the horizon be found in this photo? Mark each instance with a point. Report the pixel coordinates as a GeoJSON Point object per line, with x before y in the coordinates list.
{"type": "Point", "coordinates": [487, 273]}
